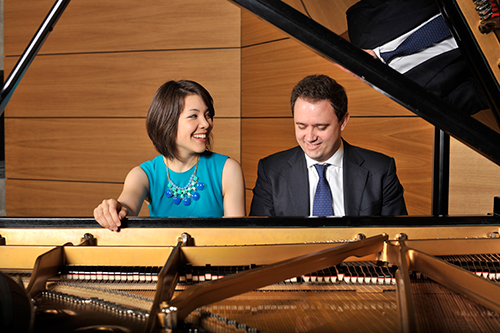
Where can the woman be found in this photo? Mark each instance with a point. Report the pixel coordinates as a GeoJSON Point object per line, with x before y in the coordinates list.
{"type": "Point", "coordinates": [186, 180]}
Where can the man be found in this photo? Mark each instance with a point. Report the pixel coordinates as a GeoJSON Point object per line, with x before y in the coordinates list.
{"type": "Point", "coordinates": [324, 175]}
{"type": "Point", "coordinates": [381, 26]}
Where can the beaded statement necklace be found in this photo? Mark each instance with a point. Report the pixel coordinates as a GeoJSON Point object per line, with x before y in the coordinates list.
{"type": "Point", "coordinates": [186, 193]}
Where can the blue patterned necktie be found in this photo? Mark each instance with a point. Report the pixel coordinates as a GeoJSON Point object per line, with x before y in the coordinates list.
{"type": "Point", "coordinates": [429, 34]}
{"type": "Point", "coordinates": [322, 205]}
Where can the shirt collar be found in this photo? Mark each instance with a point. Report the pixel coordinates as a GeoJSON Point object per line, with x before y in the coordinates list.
{"type": "Point", "coordinates": [335, 159]}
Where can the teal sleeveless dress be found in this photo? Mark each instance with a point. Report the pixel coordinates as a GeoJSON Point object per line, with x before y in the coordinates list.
{"type": "Point", "coordinates": [210, 203]}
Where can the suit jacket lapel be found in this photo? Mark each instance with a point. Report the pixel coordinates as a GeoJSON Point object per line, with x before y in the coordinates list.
{"type": "Point", "coordinates": [298, 185]}
{"type": "Point", "coordinates": [355, 178]}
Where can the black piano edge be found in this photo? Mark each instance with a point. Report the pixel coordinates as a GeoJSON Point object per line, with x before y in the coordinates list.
{"type": "Point", "coordinates": [261, 222]}
{"type": "Point", "coordinates": [255, 222]}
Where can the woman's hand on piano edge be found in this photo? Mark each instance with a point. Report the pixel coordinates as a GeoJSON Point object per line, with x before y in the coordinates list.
{"type": "Point", "coordinates": [110, 213]}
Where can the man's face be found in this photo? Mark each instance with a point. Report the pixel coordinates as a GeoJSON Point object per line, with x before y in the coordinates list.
{"type": "Point", "coordinates": [317, 128]}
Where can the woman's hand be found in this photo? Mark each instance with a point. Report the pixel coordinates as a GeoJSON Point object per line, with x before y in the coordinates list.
{"type": "Point", "coordinates": [110, 213]}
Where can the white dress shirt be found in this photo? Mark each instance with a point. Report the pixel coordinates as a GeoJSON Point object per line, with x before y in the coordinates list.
{"type": "Point", "coordinates": [334, 176]}
{"type": "Point", "coordinates": [405, 63]}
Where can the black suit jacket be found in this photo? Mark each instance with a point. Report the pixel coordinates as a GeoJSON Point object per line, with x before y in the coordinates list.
{"type": "Point", "coordinates": [371, 186]}
{"type": "Point", "coordinates": [372, 23]}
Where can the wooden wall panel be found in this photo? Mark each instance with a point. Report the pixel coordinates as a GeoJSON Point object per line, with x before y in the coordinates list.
{"type": "Point", "coordinates": [227, 137]}
{"type": "Point", "coordinates": [297, 4]}
{"type": "Point", "coordinates": [75, 125]}
{"type": "Point", "coordinates": [474, 181]}
{"type": "Point", "coordinates": [270, 71]}
{"type": "Point", "coordinates": [104, 26]}
{"type": "Point", "coordinates": [330, 14]}
{"type": "Point", "coordinates": [58, 199]}
{"type": "Point", "coordinates": [121, 84]}
{"type": "Point", "coordinates": [408, 140]}
{"type": "Point", "coordinates": [279, 135]}
{"type": "Point", "coordinates": [248, 198]}
{"type": "Point", "coordinates": [254, 30]}
{"type": "Point", "coordinates": [96, 150]}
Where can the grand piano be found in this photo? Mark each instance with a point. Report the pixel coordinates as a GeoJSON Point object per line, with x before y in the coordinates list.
{"type": "Point", "coordinates": [350, 274]}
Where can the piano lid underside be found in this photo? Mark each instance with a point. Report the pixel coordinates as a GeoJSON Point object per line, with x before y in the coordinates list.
{"type": "Point", "coordinates": [430, 107]}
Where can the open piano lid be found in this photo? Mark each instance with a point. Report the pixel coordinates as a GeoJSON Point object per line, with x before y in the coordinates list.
{"type": "Point", "coordinates": [475, 134]}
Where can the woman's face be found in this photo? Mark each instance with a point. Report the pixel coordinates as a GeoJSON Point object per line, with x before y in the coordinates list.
{"type": "Point", "coordinates": [195, 125]}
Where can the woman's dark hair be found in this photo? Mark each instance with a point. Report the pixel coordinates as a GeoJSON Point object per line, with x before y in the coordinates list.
{"type": "Point", "coordinates": [315, 88]}
{"type": "Point", "coordinates": [164, 112]}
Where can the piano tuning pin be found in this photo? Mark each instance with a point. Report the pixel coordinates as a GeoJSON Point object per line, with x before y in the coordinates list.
{"type": "Point", "coordinates": [483, 6]}
{"type": "Point", "coordinates": [402, 237]}
{"type": "Point", "coordinates": [360, 237]}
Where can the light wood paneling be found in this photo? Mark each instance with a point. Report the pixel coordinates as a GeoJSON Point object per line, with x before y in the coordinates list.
{"type": "Point", "coordinates": [407, 139]}
{"type": "Point", "coordinates": [330, 14]}
{"type": "Point", "coordinates": [488, 118]}
{"type": "Point", "coordinates": [248, 197]}
{"type": "Point", "coordinates": [474, 181]}
{"type": "Point", "coordinates": [272, 70]}
{"type": "Point", "coordinates": [104, 26]}
{"type": "Point", "coordinates": [75, 149]}
{"type": "Point", "coordinates": [297, 4]}
{"type": "Point", "coordinates": [410, 141]}
{"type": "Point", "coordinates": [254, 30]}
{"type": "Point", "coordinates": [227, 137]}
{"type": "Point", "coordinates": [279, 135]}
{"type": "Point", "coordinates": [58, 199]}
{"type": "Point", "coordinates": [121, 84]}
{"type": "Point", "coordinates": [91, 149]}
{"type": "Point", "coordinates": [75, 125]}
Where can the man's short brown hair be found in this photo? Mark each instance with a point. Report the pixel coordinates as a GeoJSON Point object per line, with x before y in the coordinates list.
{"type": "Point", "coordinates": [315, 88]}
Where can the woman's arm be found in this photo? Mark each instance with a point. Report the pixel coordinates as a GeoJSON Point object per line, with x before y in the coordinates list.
{"type": "Point", "coordinates": [233, 189]}
{"type": "Point", "coordinates": [135, 189]}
